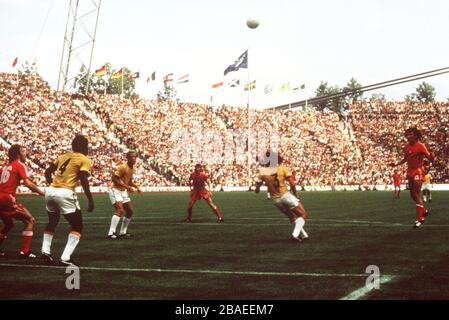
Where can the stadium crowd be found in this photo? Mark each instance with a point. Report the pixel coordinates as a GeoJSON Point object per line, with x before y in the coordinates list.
{"type": "Point", "coordinates": [170, 137]}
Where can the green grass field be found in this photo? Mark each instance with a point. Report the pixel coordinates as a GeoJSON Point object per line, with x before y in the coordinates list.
{"type": "Point", "coordinates": [249, 256]}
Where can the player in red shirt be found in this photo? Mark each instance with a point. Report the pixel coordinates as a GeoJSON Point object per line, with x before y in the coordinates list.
{"type": "Point", "coordinates": [198, 191]}
{"type": "Point", "coordinates": [11, 175]}
{"type": "Point", "coordinates": [397, 184]}
{"type": "Point", "coordinates": [414, 153]}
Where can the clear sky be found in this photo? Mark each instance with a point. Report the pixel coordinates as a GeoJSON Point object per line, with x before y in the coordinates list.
{"type": "Point", "coordinates": [301, 41]}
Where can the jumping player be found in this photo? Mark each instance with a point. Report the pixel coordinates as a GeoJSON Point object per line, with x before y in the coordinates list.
{"type": "Point", "coordinates": [197, 184]}
{"type": "Point", "coordinates": [414, 153]}
{"type": "Point", "coordinates": [11, 176]}
{"type": "Point", "coordinates": [60, 198]}
{"type": "Point", "coordinates": [275, 178]}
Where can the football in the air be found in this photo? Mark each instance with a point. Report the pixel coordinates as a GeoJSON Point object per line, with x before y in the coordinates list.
{"type": "Point", "coordinates": [252, 23]}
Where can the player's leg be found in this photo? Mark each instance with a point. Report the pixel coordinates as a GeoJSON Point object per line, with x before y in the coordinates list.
{"type": "Point", "coordinates": [129, 211]}
{"type": "Point", "coordinates": [75, 220]}
{"type": "Point", "coordinates": [7, 226]}
{"type": "Point", "coordinates": [53, 221]}
{"type": "Point", "coordinates": [193, 199]}
{"type": "Point", "coordinates": [28, 220]}
{"type": "Point", "coordinates": [415, 193]}
{"type": "Point", "coordinates": [295, 206]}
{"type": "Point", "coordinates": [117, 201]}
{"type": "Point", "coordinates": [214, 208]}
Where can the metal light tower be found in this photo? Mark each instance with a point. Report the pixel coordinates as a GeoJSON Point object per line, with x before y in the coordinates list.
{"type": "Point", "coordinates": [79, 41]}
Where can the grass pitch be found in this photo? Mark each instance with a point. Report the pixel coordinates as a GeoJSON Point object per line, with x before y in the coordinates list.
{"type": "Point", "coordinates": [249, 256]}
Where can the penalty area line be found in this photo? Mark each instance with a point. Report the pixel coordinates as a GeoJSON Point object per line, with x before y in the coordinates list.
{"type": "Point", "coordinates": [218, 272]}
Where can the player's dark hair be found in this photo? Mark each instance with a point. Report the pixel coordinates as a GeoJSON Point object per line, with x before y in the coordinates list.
{"type": "Point", "coordinates": [14, 152]}
{"type": "Point", "coordinates": [80, 144]}
{"type": "Point", "coordinates": [198, 165]}
{"type": "Point", "coordinates": [130, 152]}
{"type": "Point", "coordinates": [417, 133]}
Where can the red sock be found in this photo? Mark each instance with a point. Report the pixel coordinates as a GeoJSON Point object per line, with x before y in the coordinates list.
{"type": "Point", "coordinates": [420, 210]}
{"type": "Point", "coordinates": [27, 236]}
{"type": "Point", "coordinates": [217, 212]}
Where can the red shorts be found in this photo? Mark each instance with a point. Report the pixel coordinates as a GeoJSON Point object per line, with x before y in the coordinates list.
{"type": "Point", "coordinates": [397, 185]}
{"type": "Point", "coordinates": [199, 194]}
{"type": "Point", "coordinates": [9, 204]}
{"type": "Point", "coordinates": [415, 175]}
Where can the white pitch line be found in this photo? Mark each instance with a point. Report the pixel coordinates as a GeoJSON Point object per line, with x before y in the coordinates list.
{"type": "Point", "coordinates": [363, 291]}
{"type": "Point", "coordinates": [219, 272]}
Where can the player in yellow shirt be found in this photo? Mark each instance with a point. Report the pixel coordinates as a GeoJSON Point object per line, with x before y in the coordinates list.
{"type": "Point", "coordinates": [60, 197]}
{"type": "Point", "coordinates": [275, 177]}
{"type": "Point", "coordinates": [427, 186]}
{"type": "Point", "coordinates": [122, 182]}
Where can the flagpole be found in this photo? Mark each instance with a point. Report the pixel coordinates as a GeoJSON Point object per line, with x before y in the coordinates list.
{"type": "Point", "coordinates": [122, 82]}
{"type": "Point", "coordinates": [249, 123]}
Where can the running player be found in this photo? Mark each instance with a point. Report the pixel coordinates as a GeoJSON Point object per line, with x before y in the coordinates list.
{"type": "Point", "coordinates": [275, 178]}
{"type": "Point", "coordinates": [122, 182]}
{"type": "Point", "coordinates": [60, 198]}
{"type": "Point", "coordinates": [11, 176]}
{"type": "Point", "coordinates": [414, 153]}
{"type": "Point", "coordinates": [197, 184]}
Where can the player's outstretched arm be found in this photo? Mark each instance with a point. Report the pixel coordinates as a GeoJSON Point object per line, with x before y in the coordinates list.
{"type": "Point", "coordinates": [84, 179]}
{"type": "Point", "coordinates": [49, 172]}
{"type": "Point", "coordinates": [30, 184]}
{"type": "Point", "coordinates": [291, 181]}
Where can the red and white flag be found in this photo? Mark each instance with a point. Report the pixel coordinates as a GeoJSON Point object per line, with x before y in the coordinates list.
{"type": "Point", "coordinates": [219, 84]}
{"type": "Point", "coordinates": [15, 62]}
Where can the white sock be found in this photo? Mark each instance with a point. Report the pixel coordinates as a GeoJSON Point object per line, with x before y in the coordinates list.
{"type": "Point", "coordinates": [125, 225]}
{"type": "Point", "coordinates": [299, 223]}
{"type": "Point", "coordinates": [46, 243]}
{"type": "Point", "coordinates": [72, 242]}
{"type": "Point", "coordinates": [303, 233]}
{"type": "Point", "coordinates": [114, 222]}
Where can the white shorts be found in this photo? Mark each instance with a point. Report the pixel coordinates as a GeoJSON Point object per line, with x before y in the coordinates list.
{"type": "Point", "coordinates": [426, 186]}
{"type": "Point", "coordinates": [117, 195]}
{"type": "Point", "coordinates": [287, 201]}
{"type": "Point", "coordinates": [61, 200]}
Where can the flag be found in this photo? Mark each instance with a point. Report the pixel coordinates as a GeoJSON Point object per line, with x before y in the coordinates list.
{"type": "Point", "coordinates": [219, 84]}
{"type": "Point", "coordinates": [168, 78]}
{"type": "Point", "coordinates": [268, 88]}
{"type": "Point", "coordinates": [152, 77]}
{"type": "Point", "coordinates": [285, 87]}
{"type": "Point", "coordinates": [299, 88]}
{"type": "Point", "coordinates": [234, 83]}
{"type": "Point", "coordinates": [250, 86]}
{"type": "Point", "coordinates": [100, 72]}
{"type": "Point", "coordinates": [134, 75]}
{"type": "Point", "coordinates": [14, 63]}
{"type": "Point", "coordinates": [242, 62]}
{"type": "Point", "coordinates": [117, 74]}
{"type": "Point", "coordinates": [183, 79]}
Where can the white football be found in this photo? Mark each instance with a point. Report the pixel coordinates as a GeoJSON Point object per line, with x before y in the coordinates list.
{"type": "Point", "coordinates": [252, 23]}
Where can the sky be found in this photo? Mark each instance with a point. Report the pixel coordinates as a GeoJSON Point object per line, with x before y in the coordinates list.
{"type": "Point", "coordinates": [300, 41]}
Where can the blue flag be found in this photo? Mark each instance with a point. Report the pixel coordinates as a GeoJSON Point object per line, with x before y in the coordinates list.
{"type": "Point", "coordinates": [242, 62]}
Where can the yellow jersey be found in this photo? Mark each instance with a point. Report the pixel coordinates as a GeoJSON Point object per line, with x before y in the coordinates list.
{"type": "Point", "coordinates": [427, 178]}
{"type": "Point", "coordinates": [68, 167]}
{"type": "Point", "coordinates": [275, 180]}
{"type": "Point", "coordinates": [125, 173]}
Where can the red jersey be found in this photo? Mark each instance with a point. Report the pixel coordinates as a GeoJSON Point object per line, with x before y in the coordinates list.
{"type": "Point", "coordinates": [11, 175]}
{"type": "Point", "coordinates": [199, 181]}
{"type": "Point", "coordinates": [415, 155]}
{"type": "Point", "coordinates": [396, 179]}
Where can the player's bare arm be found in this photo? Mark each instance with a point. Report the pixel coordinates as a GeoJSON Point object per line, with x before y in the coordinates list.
{"type": "Point", "coordinates": [132, 184]}
{"type": "Point", "coordinates": [84, 180]}
{"type": "Point", "coordinates": [32, 186]}
{"type": "Point", "coordinates": [118, 182]}
{"type": "Point", "coordinates": [49, 173]}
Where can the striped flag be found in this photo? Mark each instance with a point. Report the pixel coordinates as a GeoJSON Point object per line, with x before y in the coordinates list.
{"type": "Point", "coordinates": [250, 86]}
{"type": "Point", "coordinates": [285, 87]}
{"type": "Point", "coordinates": [268, 88]}
{"type": "Point", "coordinates": [134, 75]}
{"type": "Point", "coordinates": [168, 78]}
{"type": "Point", "coordinates": [100, 72]}
{"type": "Point", "coordinates": [152, 77]}
{"type": "Point", "coordinates": [117, 74]}
{"type": "Point", "coordinates": [216, 85]}
{"type": "Point", "coordinates": [183, 79]}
